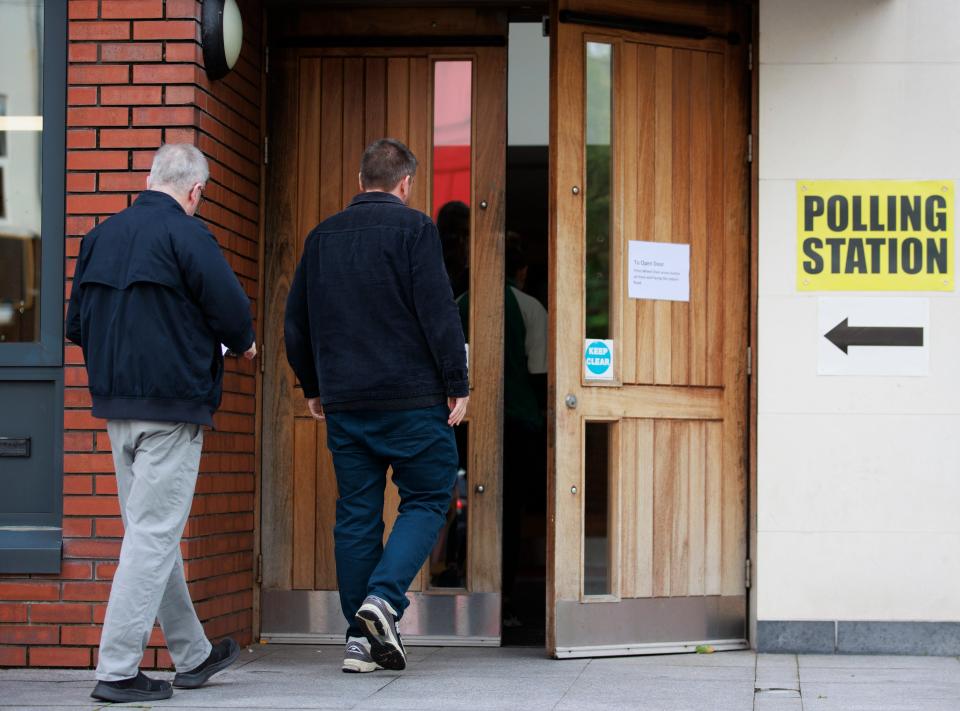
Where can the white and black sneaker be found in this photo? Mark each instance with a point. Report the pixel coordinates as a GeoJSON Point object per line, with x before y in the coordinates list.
{"type": "Point", "coordinates": [356, 657]}
{"type": "Point", "coordinates": [379, 624]}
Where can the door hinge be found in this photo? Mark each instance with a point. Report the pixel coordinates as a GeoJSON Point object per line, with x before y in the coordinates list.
{"type": "Point", "coordinates": [266, 59]}
{"type": "Point", "coordinates": [749, 148]}
{"type": "Point", "coordinates": [747, 571]}
{"type": "Point", "coordinates": [545, 25]}
{"type": "Point", "coordinates": [749, 360]}
{"type": "Point", "coordinates": [266, 150]}
{"type": "Point", "coordinates": [750, 57]}
{"type": "Point", "coordinates": [259, 568]}
{"type": "Point", "coordinates": [260, 354]}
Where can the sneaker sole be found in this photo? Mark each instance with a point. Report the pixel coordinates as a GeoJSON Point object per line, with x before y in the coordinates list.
{"type": "Point", "coordinates": [193, 681]}
{"type": "Point", "coordinates": [126, 695]}
{"type": "Point", "coordinates": [355, 666]}
{"type": "Point", "coordinates": [384, 645]}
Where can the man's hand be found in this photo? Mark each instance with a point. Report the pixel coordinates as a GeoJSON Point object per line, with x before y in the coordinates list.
{"type": "Point", "coordinates": [316, 409]}
{"type": "Point", "coordinates": [251, 352]}
{"type": "Point", "coordinates": [458, 408]}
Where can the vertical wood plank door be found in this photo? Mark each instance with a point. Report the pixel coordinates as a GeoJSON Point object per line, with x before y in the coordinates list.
{"type": "Point", "coordinates": [648, 467]}
{"type": "Point", "coordinates": [329, 105]}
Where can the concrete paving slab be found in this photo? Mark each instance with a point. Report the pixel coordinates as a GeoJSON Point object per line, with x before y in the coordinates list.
{"type": "Point", "coordinates": [858, 675]}
{"type": "Point", "coordinates": [658, 695]}
{"type": "Point", "coordinates": [777, 672]}
{"type": "Point", "coordinates": [717, 659]}
{"type": "Point", "coordinates": [525, 661]}
{"type": "Point", "coordinates": [309, 677]}
{"type": "Point", "coordinates": [778, 701]}
{"type": "Point", "coordinates": [30, 694]}
{"type": "Point", "coordinates": [470, 693]}
{"type": "Point", "coordinates": [631, 669]}
{"type": "Point", "coordinates": [886, 696]}
{"type": "Point", "coordinates": [873, 661]}
{"type": "Point", "coordinates": [776, 661]}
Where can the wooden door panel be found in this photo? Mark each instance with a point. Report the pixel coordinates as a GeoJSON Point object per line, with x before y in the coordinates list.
{"type": "Point", "coordinates": [304, 502]}
{"type": "Point", "coordinates": [678, 408]}
{"type": "Point", "coordinates": [326, 186]}
{"type": "Point", "coordinates": [338, 103]}
{"type": "Point", "coordinates": [325, 564]}
{"type": "Point", "coordinates": [669, 172]}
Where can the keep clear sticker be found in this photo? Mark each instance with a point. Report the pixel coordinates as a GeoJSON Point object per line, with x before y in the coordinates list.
{"type": "Point", "coordinates": [597, 359]}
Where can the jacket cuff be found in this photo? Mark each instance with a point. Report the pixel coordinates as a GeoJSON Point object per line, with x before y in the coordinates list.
{"type": "Point", "coordinates": [248, 340]}
{"type": "Point", "coordinates": [458, 388]}
{"type": "Point", "coordinates": [310, 391]}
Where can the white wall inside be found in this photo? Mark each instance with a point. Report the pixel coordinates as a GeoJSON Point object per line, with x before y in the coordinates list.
{"type": "Point", "coordinates": [528, 85]}
{"type": "Point", "coordinates": [858, 479]}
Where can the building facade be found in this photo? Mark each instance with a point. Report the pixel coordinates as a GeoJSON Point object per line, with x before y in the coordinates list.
{"type": "Point", "coordinates": [721, 470]}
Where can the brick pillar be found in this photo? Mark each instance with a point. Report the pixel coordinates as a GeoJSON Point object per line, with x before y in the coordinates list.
{"type": "Point", "coordinates": [136, 79]}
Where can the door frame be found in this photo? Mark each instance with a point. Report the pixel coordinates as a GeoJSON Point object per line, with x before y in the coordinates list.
{"type": "Point", "coordinates": [479, 609]}
{"type": "Point", "coordinates": [753, 292]}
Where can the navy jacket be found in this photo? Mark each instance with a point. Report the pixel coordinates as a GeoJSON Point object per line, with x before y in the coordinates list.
{"type": "Point", "coordinates": [153, 298]}
{"type": "Point", "coordinates": [371, 322]}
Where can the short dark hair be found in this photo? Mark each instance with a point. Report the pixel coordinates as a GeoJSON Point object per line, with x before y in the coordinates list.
{"type": "Point", "coordinates": [453, 220]}
{"type": "Point", "coordinates": [385, 163]}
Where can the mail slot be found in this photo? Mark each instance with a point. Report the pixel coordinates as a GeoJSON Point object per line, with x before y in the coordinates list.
{"type": "Point", "coordinates": [14, 446]}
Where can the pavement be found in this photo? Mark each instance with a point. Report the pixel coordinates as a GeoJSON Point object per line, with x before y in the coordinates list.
{"type": "Point", "coordinates": [309, 677]}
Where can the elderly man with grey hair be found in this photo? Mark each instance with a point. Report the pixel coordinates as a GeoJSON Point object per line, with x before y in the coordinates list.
{"type": "Point", "coordinates": [153, 304]}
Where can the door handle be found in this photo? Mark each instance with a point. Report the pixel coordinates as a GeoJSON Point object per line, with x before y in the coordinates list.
{"type": "Point", "coordinates": [571, 401]}
{"type": "Point", "coordinates": [480, 488]}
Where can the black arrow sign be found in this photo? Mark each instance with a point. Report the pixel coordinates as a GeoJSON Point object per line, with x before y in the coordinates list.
{"type": "Point", "coordinates": [844, 336]}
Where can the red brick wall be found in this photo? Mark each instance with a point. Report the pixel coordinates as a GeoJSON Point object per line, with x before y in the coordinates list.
{"type": "Point", "coordinates": [136, 79]}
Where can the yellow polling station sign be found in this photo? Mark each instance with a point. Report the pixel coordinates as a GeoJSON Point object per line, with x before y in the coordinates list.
{"type": "Point", "coordinates": [875, 235]}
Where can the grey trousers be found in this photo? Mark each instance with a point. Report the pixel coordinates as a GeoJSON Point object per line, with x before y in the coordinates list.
{"type": "Point", "coordinates": [156, 465]}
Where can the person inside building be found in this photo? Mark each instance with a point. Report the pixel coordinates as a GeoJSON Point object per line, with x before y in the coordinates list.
{"type": "Point", "coordinates": [372, 333]}
{"type": "Point", "coordinates": [153, 299]}
{"type": "Point", "coordinates": [453, 224]}
{"type": "Point", "coordinates": [524, 400]}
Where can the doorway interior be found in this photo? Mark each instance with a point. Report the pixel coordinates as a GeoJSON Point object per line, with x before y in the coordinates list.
{"type": "Point", "coordinates": [523, 554]}
{"type": "Point", "coordinates": [526, 266]}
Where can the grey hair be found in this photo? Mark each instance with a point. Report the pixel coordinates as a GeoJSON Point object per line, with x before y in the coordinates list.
{"type": "Point", "coordinates": [178, 166]}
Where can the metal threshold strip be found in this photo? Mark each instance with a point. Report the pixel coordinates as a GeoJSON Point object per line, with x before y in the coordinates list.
{"type": "Point", "coordinates": [435, 620]}
{"type": "Point", "coordinates": [408, 639]}
{"type": "Point", "coordinates": [619, 650]}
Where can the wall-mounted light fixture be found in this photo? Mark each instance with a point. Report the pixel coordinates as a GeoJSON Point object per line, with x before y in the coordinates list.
{"type": "Point", "coordinates": [221, 34]}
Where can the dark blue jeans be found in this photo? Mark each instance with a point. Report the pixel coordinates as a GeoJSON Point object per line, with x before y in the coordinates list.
{"type": "Point", "coordinates": [420, 447]}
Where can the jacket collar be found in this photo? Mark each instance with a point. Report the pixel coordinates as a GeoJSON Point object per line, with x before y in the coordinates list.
{"type": "Point", "coordinates": [375, 196]}
{"type": "Point", "coordinates": [155, 198]}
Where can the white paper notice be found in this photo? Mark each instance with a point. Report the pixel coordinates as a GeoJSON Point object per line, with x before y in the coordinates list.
{"type": "Point", "coordinates": [659, 270]}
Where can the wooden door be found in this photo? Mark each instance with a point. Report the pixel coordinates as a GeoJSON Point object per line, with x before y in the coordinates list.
{"type": "Point", "coordinates": [648, 523]}
{"type": "Point", "coordinates": [329, 105]}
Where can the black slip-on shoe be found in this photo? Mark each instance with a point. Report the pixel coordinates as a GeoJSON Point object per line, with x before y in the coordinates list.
{"type": "Point", "coordinates": [139, 688]}
{"type": "Point", "coordinates": [378, 621]}
{"type": "Point", "coordinates": [223, 654]}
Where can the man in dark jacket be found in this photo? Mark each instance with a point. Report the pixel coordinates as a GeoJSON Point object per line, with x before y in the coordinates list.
{"type": "Point", "coordinates": [153, 299]}
{"type": "Point", "coordinates": [374, 337]}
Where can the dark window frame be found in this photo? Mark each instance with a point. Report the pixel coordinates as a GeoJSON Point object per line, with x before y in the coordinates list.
{"type": "Point", "coordinates": [32, 543]}
{"type": "Point", "coordinates": [48, 351]}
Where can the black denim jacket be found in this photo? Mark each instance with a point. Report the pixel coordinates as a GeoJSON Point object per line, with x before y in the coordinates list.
{"type": "Point", "coordinates": [371, 322]}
